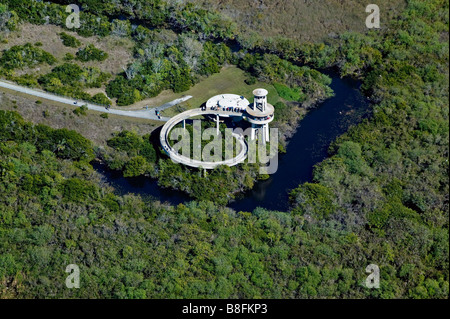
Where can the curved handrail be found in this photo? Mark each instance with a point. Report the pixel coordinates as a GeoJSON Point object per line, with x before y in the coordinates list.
{"type": "Point", "coordinates": [176, 157]}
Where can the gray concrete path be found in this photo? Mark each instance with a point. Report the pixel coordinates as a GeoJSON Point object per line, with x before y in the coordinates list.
{"type": "Point", "coordinates": [145, 114]}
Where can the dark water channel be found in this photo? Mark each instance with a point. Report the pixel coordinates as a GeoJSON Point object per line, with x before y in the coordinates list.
{"type": "Point", "coordinates": [307, 147]}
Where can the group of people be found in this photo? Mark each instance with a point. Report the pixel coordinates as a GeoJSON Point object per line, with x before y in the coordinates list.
{"type": "Point", "coordinates": [216, 108]}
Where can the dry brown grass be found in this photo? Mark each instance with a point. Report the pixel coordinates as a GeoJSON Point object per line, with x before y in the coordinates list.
{"type": "Point", "coordinates": [307, 20]}
{"type": "Point", "coordinates": [118, 49]}
{"type": "Point", "coordinates": [57, 115]}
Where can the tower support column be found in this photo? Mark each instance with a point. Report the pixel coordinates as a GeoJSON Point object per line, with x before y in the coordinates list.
{"type": "Point", "coordinates": [253, 135]}
{"type": "Point", "coordinates": [218, 124]}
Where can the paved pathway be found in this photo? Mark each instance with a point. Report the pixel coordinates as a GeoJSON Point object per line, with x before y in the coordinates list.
{"type": "Point", "coordinates": [174, 102]}
{"type": "Point", "coordinates": [145, 114]}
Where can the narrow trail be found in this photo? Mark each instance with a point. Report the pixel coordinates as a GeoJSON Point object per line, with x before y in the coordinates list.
{"type": "Point", "coordinates": [149, 114]}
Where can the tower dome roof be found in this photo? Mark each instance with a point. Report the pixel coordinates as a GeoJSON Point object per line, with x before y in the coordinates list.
{"type": "Point", "coordinates": [260, 92]}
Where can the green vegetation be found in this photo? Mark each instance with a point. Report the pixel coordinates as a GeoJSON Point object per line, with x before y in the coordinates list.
{"type": "Point", "coordinates": [289, 94]}
{"type": "Point", "coordinates": [26, 80]}
{"type": "Point", "coordinates": [207, 251]}
{"type": "Point", "coordinates": [8, 19]}
{"type": "Point", "coordinates": [313, 200]}
{"type": "Point", "coordinates": [282, 111]}
{"type": "Point", "coordinates": [69, 57]}
{"type": "Point", "coordinates": [65, 144]}
{"type": "Point", "coordinates": [133, 154]}
{"type": "Point", "coordinates": [82, 110]}
{"type": "Point", "coordinates": [133, 145]}
{"type": "Point", "coordinates": [91, 53]}
{"type": "Point", "coordinates": [21, 56]}
{"type": "Point", "coordinates": [381, 197]}
{"type": "Point", "coordinates": [162, 65]}
{"type": "Point", "coordinates": [174, 57]}
{"type": "Point", "coordinates": [230, 79]}
{"type": "Point", "coordinates": [219, 185]}
{"type": "Point", "coordinates": [70, 79]}
{"type": "Point", "coordinates": [293, 83]}
{"type": "Point", "coordinates": [101, 99]}
{"type": "Point", "coordinates": [69, 41]}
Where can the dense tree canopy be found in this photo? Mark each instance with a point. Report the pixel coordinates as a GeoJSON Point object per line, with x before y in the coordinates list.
{"type": "Point", "coordinates": [381, 197]}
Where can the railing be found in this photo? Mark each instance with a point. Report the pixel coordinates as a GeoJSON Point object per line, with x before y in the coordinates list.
{"type": "Point", "coordinates": [175, 156]}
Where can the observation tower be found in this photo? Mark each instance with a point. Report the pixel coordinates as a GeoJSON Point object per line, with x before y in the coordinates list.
{"type": "Point", "coordinates": [227, 105]}
{"type": "Point", "coordinates": [260, 113]}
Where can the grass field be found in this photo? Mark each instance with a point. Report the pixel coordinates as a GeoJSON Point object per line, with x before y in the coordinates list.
{"type": "Point", "coordinates": [307, 20]}
{"type": "Point", "coordinates": [229, 80]}
{"type": "Point", "coordinates": [120, 50]}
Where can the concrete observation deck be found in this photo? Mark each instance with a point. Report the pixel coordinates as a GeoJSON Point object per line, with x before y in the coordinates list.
{"type": "Point", "coordinates": [259, 113]}
{"type": "Point", "coordinates": [225, 105]}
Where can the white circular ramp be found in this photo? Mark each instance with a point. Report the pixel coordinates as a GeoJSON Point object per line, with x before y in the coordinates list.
{"type": "Point", "coordinates": [178, 158]}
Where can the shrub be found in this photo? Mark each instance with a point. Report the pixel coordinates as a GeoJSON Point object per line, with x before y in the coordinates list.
{"type": "Point", "coordinates": [77, 190]}
{"type": "Point", "coordinates": [136, 166]}
{"type": "Point", "coordinates": [70, 79]}
{"type": "Point", "coordinates": [68, 57]}
{"type": "Point", "coordinates": [101, 99]}
{"type": "Point", "coordinates": [287, 93]}
{"type": "Point", "coordinates": [126, 141]}
{"type": "Point", "coordinates": [69, 41]}
{"type": "Point", "coordinates": [313, 199]}
{"type": "Point", "coordinates": [140, 148]}
{"type": "Point", "coordinates": [91, 53]}
{"type": "Point", "coordinates": [351, 153]}
{"type": "Point", "coordinates": [250, 80]}
{"type": "Point", "coordinates": [282, 111]}
{"type": "Point", "coordinates": [26, 80]}
{"type": "Point", "coordinates": [82, 110]}
{"type": "Point", "coordinates": [20, 56]}
{"type": "Point", "coordinates": [123, 90]}
{"type": "Point", "coordinates": [8, 19]}
{"type": "Point", "coordinates": [68, 74]}
{"type": "Point", "coordinates": [13, 127]}
{"type": "Point", "coordinates": [65, 143]}
{"type": "Point", "coordinates": [148, 151]}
